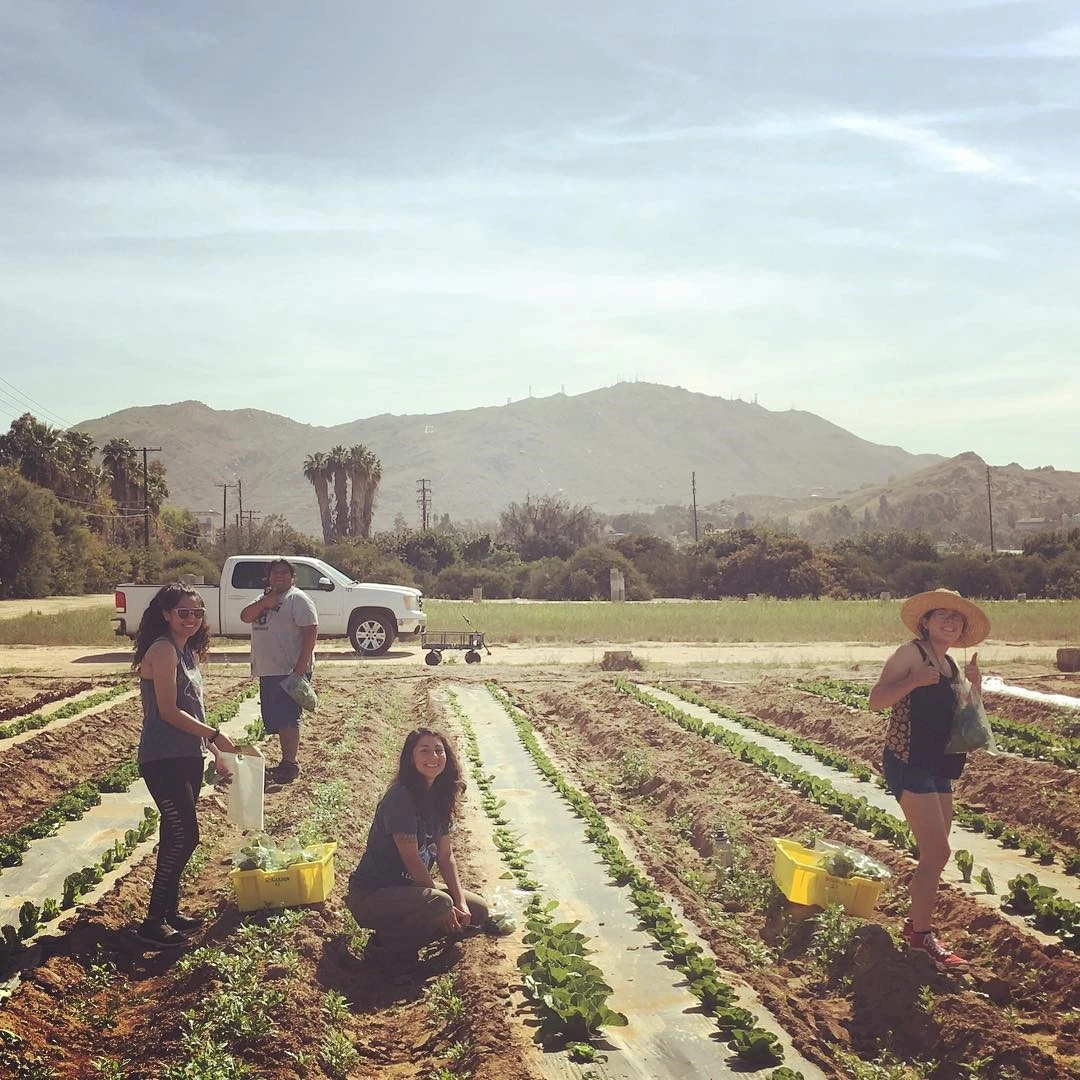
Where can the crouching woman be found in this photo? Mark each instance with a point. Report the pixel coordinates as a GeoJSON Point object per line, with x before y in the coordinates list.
{"type": "Point", "coordinates": [392, 891]}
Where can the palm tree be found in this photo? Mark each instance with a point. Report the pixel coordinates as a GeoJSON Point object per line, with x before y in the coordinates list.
{"type": "Point", "coordinates": [338, 463]}
{"type": "Point", "coordinates": [33, 448]}
{"type": "Point", "coordinates": [357, 465]}
{"type": "Point", "coordinates": [372, 476]}
{"type": "Point", "coordinates": [77, 450]}
{"type": "Point", "coordinates": [317, 474]}
{"type": "Point", "coordinates": [157, 490]}
{"type": "Point", "coordinates": [121, 462]}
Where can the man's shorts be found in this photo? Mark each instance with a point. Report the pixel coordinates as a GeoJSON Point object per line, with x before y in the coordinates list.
{"type": "Point", "coordinates": [278, 709]}
{"type": "Point", "coordinates": [900, 777]}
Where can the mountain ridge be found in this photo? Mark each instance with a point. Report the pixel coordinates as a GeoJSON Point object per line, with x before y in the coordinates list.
{"type": "Point", "coordinates": [628, 447]}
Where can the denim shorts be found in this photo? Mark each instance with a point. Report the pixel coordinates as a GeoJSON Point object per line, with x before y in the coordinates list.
{"type": "Point", "coordinates": [278, 709]}
{"type": "Point", "coordinates": [919, 781]}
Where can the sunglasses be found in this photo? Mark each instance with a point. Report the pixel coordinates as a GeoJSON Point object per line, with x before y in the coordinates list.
{"type": "Point", "coordinates": [190, 612]}
{"type": "Point", "coordinates": [947, 616]}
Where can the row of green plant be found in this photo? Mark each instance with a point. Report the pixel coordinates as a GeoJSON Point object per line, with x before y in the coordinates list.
{"type": "Point", "coordinates": [1033, 845]}
{"type": "Point", "coordinates": [1026, 740]}
{"type": "Point", "coordinates": [74, 803]}
{"type": "Point", "coordinates": [33, 721]}
{"type": "Point", "coordinates": [566, 986]}
{"type": "Point", "coordinates": [509, 845]}
{"type": "Point", "coordinates": [214, 1035]}
{"type": "Point", "coordinates": [240, 1002]}
{"type": "Point", "coordinates": [1044, 908]}
{"type": "Point", "coordinates": [32, 917]}
{"type": "Point", "coordinates": [854, 809]}
{"type": "Point", "coordinates": [42, 698]}
{"type": "Point", "coordinates": [243, 1006]}
{"type": "Point", "coordinates": [71, 806]}
{"type": "Point", "coordinates": [752, 1045]}
{"type": "Point", "coordinates": [858, 811]}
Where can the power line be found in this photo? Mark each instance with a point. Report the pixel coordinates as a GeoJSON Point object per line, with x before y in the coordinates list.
{"type": "Point", "coordinates": [48, 412]}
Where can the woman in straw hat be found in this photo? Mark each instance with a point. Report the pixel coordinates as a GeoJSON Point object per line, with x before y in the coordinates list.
{"type": "Point", "coordinates": [917, 684]}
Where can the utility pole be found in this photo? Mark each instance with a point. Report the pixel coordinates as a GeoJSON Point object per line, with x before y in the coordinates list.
{"type": "Point", "coordinates": [240, 520]}
{"type": "Point", "coordinates": [251, 514]}
{"type": "Point", "coordinates": [693, 497]}
{"type": "Point", "coordinates": [146, 491]}
{"type": "Point", "coordinates": [423, 500]}
{"type": "Point", "coordinates": [990, 509]}
{"type": "Point", "coordinates": [225, 516]}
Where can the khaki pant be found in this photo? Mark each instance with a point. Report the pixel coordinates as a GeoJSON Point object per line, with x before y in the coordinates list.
{"type": "Point", "coordinates": [408, 916]}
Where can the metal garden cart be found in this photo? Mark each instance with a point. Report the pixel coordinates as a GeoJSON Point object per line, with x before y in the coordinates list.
{"type": "Point", "coordinates": [435, 641]}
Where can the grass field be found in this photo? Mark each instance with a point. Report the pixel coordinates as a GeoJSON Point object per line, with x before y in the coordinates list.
{"type": "Point", "coordinates": [871, 621]}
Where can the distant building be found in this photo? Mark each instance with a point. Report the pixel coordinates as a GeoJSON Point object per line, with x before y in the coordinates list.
{"type": "Point", "coordinates": [207, 522]}
{"type": "Point", "coordinates": [1034, 524]}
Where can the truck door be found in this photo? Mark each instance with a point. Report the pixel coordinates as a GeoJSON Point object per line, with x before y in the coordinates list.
{"type": "Point", "coordinates": [325, 594]}
{"type": "Point", "coordinates": [246, 584]}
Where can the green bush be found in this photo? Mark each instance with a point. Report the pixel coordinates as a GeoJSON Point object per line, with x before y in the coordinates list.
{"type": "Point", "coordinates": [457, 583]}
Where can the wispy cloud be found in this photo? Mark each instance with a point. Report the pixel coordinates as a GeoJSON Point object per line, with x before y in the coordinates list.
{"type": "Point", "coordinates": [932, 147]}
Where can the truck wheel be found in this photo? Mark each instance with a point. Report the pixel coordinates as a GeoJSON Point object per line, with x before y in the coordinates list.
{"type": "Point", "coordinates": [433, 658]}
{"type": "Point", "coordinates": [371, 634]}
{"type": "Point", "coordinates": [472, 657]}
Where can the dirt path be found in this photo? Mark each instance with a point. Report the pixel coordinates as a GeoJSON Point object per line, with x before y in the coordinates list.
{"type": "Point", "coordinates": [838, 657]}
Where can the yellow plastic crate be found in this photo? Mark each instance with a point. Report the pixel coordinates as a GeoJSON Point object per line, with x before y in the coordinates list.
{"type": "Point", "coordinates": [303, 883]}
{"type": "Point", "coordinates": [802, 881]}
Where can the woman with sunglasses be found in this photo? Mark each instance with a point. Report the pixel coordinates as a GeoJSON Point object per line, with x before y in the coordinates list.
{"type": "Point", "coordinates": [171, 639]}
{"type": "Point", "coordinates": [918, 685]}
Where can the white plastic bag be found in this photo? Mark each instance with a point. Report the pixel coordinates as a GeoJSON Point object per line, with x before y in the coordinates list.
{"type": "Point", "coordinates": [970, 726]}
{"type": "Point", "coordinates": [500, 918]}
{"type": "Point", "coordinates": [248, 769]}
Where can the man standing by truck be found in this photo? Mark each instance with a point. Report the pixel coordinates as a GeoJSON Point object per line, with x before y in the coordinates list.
{"type": "Point", "coordinates": [284, 626]}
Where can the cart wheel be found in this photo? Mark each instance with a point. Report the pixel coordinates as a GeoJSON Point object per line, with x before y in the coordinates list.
{"type": "Point", "coordinates": [472, 657]}
{"type": "Point", "coordinates": [433, 658]}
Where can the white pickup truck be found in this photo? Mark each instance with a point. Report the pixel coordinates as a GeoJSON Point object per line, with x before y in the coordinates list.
{"type": "Point", "coordinates": [370, 616]}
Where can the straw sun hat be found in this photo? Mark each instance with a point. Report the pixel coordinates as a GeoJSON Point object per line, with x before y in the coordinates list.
{"type": "Point", "coordinates": [976, 624]}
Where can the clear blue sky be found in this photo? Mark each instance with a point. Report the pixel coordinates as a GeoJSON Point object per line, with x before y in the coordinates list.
{"type": "Point", "coordinates": [868, 209]}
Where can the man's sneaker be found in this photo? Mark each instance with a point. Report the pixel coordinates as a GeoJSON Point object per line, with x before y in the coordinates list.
{"type": "Point", "coordinates": [184, 923]}
{"type": "Point", "coordinates": [284, 773]}
{"type": "Point", "coordinates": [158, 934]}
{"type": "Point", "coordinates": [943, 957]}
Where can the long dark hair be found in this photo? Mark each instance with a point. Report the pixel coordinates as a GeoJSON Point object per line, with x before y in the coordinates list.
{"type": "Point", "coordinates": [153, 625]}
{"type": "Point", "coordinates": [445, 792]}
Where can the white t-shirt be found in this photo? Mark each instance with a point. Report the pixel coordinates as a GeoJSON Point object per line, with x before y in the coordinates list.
{"type": "Point", "coordinates": [277, 634]}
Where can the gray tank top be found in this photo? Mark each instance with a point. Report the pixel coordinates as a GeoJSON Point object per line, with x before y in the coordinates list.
{"type": "Point", "coordinates": [159, 739]}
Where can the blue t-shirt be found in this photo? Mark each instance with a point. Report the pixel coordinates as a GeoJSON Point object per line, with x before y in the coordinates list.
{"type": "Point", "coordinates": [381, 867]}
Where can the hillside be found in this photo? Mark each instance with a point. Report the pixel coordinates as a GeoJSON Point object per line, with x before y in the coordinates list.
{"type": "Point", "coordinates": [628, 447]}
{"type": "Point", "coordinates": [945, 498]}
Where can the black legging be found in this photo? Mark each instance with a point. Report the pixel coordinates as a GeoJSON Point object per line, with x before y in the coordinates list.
{"type": "Point", "coordinates": [174, 785]}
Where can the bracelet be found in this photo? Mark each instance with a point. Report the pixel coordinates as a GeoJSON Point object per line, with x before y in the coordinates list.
{"type": "Point", "coordinates": [212, 741]}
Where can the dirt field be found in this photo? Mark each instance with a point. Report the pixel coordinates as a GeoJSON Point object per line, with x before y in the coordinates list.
{"type": "Point", "coordinates": [97, 996]}
{"type": "Point", "coordinates": [849, 658]}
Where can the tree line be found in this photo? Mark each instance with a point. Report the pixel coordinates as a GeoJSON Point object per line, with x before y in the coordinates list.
{"type": "Point", "coordinates": [73, 517]}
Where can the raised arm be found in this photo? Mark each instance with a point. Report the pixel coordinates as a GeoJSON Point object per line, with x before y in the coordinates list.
{"type": "Point", "coordinates": [904, 671]}
{"type": "Point", "coordinates": [254, 611]}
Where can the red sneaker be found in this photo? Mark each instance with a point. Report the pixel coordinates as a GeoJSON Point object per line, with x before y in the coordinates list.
{"type": "Point", "coordinates": [944, 958]}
